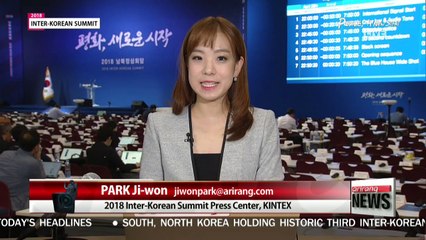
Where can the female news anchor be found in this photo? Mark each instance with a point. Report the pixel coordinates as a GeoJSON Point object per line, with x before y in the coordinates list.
{"type": "Point", "coordinates": [212, 132]}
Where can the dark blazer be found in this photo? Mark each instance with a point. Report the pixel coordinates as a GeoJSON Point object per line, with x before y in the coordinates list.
{"type": "Point", "coordinates": [101, 154]}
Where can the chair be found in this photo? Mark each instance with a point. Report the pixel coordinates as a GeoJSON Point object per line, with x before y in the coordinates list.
{"type": "Point", "coordinates": [414, 193]}
{"type": "Point", "coordinates": [75, 136]}
{"type": "Point", "coordinates": [413, 129]}
{"type": "Point", "coordinates": [420, 153]}
{"type": "Point", "coordinates": [312, 167]}
{"type": "Point", "coordinates": [338, 123]}
{"type": "Point", "coordinates": [298, 177]}
{"type": "Point", "coordinates": [383, 143]}
{"type": "Point", "coordinates": [321, 124]}
{"type": "Point", "coordinates": [77, 169]}
{"type": "Point", "coordinates": [411, 138]}
{"type": "Point", "coordinates": [409, 144]}
{"type": "Point", "coordinates": [350, 168]}
{"type": "Point", "coordinates": [311, 126]}
{"type": "Point", "coordinates": [347, 158]}
{"type": "Point", "coordinates": [133, 147]}
{"type": "Point", "coordinates": [284, 165]}
{"type": "Point", "coordinates": [391, 132]}
{"type": "Point", "coordinates": [302, 157]}
{"type": "Point", "coordinates": [368, 136]}
{"type": "Point", "coordinates": [5, 202]}
{"type": "Point", "coordinates": [300, 122]}
{"type": "Point", "coordinates": [392, 159]}
{"type": "Point", "coordinates": [358, 123]}
{"type": "Point", "coordinates": [337, 139]}
{"type": "Point", "coordinates": [80, 145]}
{"type": "Point", "coordinates": [284, 133]}
{"type": "Point", "coordinates": [379, 122]}
{"type": "Point", "coordinates": [46, 143]}
{"type": "Point", "coordinates": [378, 151]}
{"type": "Point", "coordinates": [346, 149]}
{"type": "Point", "coordinates": [102, 171]}
{"type": "Point", "coordinates": [408, 173]}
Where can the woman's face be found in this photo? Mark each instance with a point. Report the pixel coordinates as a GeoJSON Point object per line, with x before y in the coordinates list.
{"type": "Point", "coordinates": [211, 70]}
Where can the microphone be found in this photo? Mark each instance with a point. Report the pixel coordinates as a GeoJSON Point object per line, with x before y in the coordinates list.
{"type": "Point", "coordinates": [189, 138]}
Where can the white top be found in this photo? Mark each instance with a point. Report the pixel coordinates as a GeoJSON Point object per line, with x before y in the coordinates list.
{"type": "Point", "coordinates": [287, 122]}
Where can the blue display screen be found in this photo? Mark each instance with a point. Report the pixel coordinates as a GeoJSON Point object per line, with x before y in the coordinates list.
{"type": "Point", "coordinates": [351, 41]}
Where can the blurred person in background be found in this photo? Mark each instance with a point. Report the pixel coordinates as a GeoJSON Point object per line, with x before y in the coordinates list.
{"type": "Point", "coordinates": [399, 117]}
{"type": "Point", "coordinates": [151, 109]}
{"type": "Point", "coordinates": [55, 112]}
{"type": "Point", "coordinates": [115, 139]}
{"type": "Point", "coordinates": [17, 167]}
{"type": "Point", "coordinates": [101, 153]}
{"type": "Point", "coordinates": [17, 131]}
{"type": "Point", "coordinates": [288, 121]}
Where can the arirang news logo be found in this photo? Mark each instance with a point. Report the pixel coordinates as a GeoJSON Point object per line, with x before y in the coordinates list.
{"type": "Point", "coordinates": [373, 197]}
{"type": "Point", "coordinates": [37, 22]}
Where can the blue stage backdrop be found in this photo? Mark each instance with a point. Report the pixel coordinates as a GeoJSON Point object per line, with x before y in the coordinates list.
{"type": "Point", "coordinates": [133, 56]}
{"type": "Point", "coordinates": [71, 65]}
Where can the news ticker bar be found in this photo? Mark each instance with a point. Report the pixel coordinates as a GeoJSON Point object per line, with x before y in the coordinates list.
{"type": "Point", "coordinates": [372, 197]}
{"type": "Point", "coordinates": [215, 221]}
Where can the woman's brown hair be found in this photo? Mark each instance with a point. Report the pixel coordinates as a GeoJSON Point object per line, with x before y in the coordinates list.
{"type": "Point", "coordinates": [204, 33]}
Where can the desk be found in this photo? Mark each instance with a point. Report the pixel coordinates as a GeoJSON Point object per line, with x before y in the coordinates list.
{"type": "Point", "coordinates": [354, 136]}
{"type": "Point", "coordinates": [315, 144]}
{"type": "Point", "coordinates": [335, 166]}
{"type": "Point", "coordinates": [380, 134]}
{"type": "Point", "coordinates": [400, 131]}
{"type": "Point", "coordinates": [329, 156]}
{"type": "Point", "coordinates": [300, 130]}
{"type": "Point", "coordinates": [318, 142]}
{"type": "Point", "coordinates": [34, 126]}
{"type": "Point", "coordinates": [367, 158]}
{"type": "Point", "coordinates": [376, 169]}
{"type": "Point", "coordinates": [289, 148]}
{"type": "Point", "coordinates": [421, 128]}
